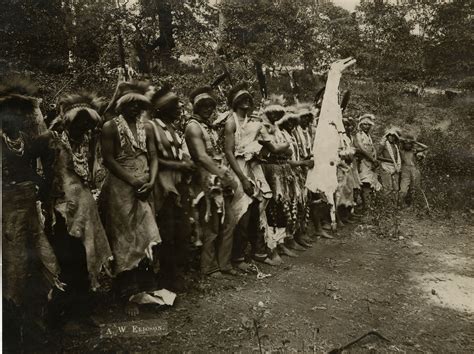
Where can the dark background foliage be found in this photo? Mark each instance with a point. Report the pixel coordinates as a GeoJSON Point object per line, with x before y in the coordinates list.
{"type": "Point", "coordinates": [278, 46]}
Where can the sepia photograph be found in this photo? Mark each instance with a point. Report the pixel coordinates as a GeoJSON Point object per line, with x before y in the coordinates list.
{"type": "Point", "coordinates": [237, 176]}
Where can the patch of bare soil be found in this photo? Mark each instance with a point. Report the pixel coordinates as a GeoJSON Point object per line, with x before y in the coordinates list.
{"type": "Point", "coordinates": [416, 290]}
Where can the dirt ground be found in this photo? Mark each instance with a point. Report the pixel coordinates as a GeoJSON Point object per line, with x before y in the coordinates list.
{"type": "Point", "coordinates": [416, 290]}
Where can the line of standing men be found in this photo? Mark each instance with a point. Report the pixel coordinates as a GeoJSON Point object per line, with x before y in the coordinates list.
{"type": "Point", "coordinates": [236, 182]}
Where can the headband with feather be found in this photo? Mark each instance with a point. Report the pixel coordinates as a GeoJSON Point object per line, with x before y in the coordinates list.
{"type": "Point", "coordinates": [290, 115]}
{"type": "Point", "coordinates": [163, 97]}
{"type": "Point", "coordinates": [395, 131]}
{"type": "Point", "coordinates": [304, 109]}
{"type": "Point", "coordinates": [85, 104]}
{"type": "Point", "coordinates": [238, 92]}
{"type": "Point", "coordinates": [130, 91]}
{"type": "Point", "coordinates": [201, 95]}
{"type": "Point", "coordinates": [367, 119]}
{"type": "Point", "coordinates": [275, 103]}
{"type": "Point", "coordinates": [18, 92]}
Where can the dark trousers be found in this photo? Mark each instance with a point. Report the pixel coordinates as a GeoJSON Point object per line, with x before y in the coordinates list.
{"type": "Point", "coordinates": [248, 230]}
{"type": "Point", "coordinates": [175, 235]}
{"type": "Point", "coordinates": [216, 250]}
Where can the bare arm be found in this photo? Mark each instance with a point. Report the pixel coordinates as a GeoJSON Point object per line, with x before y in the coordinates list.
{"type": "Point", "coordinates": [380, 154]}
{"type": "Point", "coordinates": [166, 164]}
{"type": "Point", "coordinates": [362, 151]}
{"type": "Point", "coordinates": [267, 143]}
{"type": "Point", "coordinates": [108, 141]}
{"type": "Point", "coordinates": [229, 147]}
{"type": "Point", "coordinates": [419, 147]}
{"type": "Point", "coordinates": [295, 163]}
{"type": "Point", "coordinates": [152, 155]}
{"type": "Point", "coordinates": [146, 187]}
{"type": "Point", "coordinates": [197, 149]}
{"type": "Point", "coordinates": [275, 148]}
{"type": "Point", "coordinates": [169, 163]}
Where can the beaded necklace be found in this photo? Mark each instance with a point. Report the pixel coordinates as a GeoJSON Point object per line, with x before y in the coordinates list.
{"type": "Point", "coordinates": [79, 156]}
{"type": "Point", "coordinates": [126, 134]}
{"type": "Point", "coordinates": [17, 146]}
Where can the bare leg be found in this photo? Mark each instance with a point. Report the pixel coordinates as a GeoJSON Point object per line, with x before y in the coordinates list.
{"type": "Point", "coordinates": [131, 309]}
{"type": "Point", "coordinates": [285, 251]}
{"type": "Point", "coordinates": [292, 244]}
{"type": "Point", "coordinates": [215, 275]}
{"type": "Point", "coordinates": [272, 259]}
{"type": "Point", "coordinates": [315, 218]}
{"type": "Point", "coordinates": [275, 258]}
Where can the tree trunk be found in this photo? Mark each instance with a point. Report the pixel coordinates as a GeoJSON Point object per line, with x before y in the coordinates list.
{"type": "Point", "coordinates": [219, 49]}
{"type": "Point", "coordinates": [165, 18]}
{"type": "Point", "coordinates": [121, 52]}
{"type": "Point", "coordinates": [262, 80]}
{"type": "Point", "coordinates": [142, 56]}
{"type": "Point", "coordinates": [121, 48]}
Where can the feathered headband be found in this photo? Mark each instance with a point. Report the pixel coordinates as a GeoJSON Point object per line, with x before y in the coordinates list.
{"type": "Point", "coordinates": [18, 92]}
{"type": "Point", "coordinates": [163, 97]}
{"type": "Point", "coordinates": [408, 138]}
{"type": "Point", "coordinates": [201, 95]}
{"type": "Point", "coordinates": [129, 91]}
{"type": "Point", "coordinates": [86, 102]}
{"type": "Point", "coordinates": [291, 114]}
{"type": "Point", "coordinates": [366, 118]}
{"type": "Point", "coordinates": [275, 103]}
{"type": "Point", "coordinates": [237, 92]}
{"type": "Point", "coordinates": [304, 109]}
{"type": "Point", "coordinates": [393, 131]}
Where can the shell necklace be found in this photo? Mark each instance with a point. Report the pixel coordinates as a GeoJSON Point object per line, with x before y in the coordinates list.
{"type": "Point", "coordinates": [17, 146]}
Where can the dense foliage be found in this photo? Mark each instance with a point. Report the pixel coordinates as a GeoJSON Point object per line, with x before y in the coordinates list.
{"type": "Point", "coordinates": [279, 46]}
{"type": "Point", "coordinates": [411, 41]}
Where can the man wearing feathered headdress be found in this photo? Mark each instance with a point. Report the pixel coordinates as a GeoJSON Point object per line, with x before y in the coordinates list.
{"type": "Point", "coordinates": [171, 192]}
{"type": "Point", "coordinates": [275, 156]}
{"type": "Point", "coordinates": [411, 150]}
{"type": "Point", "coordinates": [390, 162]}
{"type": "Point", "coordinates": [367, 153]}
{"type": "Point", "coordinates": [129, 154]}
{"type": "Point", "coordinates": [72, 219]}
{"type": "Point", "coordinates": [213, 182]}
{"type": "Point", "coordinates": [242, 146]}
{"type": "Point", "coordinates": [296, 227]}
{"type": "Point", "coordinates": [30, 268]}
{"type": "Point", "coordinates": [345, 200]}
{"type": "Point", "coordinates": [303, 132]}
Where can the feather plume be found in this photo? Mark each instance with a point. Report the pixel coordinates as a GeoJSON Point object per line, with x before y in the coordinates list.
{"type": "Point", "coordinates": [84, 104]}
{"type": "Point", "coordinates": [18, 92]}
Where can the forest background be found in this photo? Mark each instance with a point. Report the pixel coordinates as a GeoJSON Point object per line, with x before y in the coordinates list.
{"type": "Point", "coordinates": [414, 62]}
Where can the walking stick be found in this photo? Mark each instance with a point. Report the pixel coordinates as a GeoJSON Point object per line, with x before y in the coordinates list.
{"type": "Point", "coordinates": [426, 200]}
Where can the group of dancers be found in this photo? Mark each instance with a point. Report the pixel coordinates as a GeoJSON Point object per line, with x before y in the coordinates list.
{"type": "Point", "coordinates": [117, 189]}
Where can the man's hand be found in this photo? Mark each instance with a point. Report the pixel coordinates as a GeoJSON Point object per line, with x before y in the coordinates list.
{"type": "Point", "coordinates": [309, 163]}
{"type": "Point", "coordinates": [149, 250]}
{"type": "Point", "coordinates": [228, 181]}
{"type": "Point", "coordinates": [187, 166]}
{"type": "Point", "coordinates": [136, 183]}
{"type": "Point", "coordinates": [144, 190]}
{"type": "Point", "coordinates": [247, 186]}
